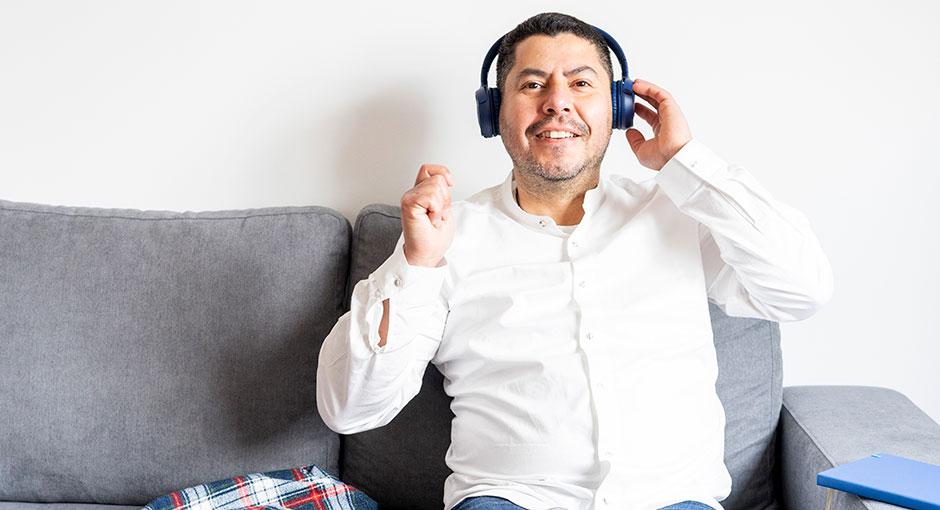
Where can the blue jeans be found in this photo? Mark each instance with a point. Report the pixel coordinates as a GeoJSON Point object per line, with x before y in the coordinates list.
{"type": "Point", "coordinates": [495, 503]}
{"type": "Point", "coordinates": [688, 505]}
{"type": "Point", "coordinates": [487, 503]}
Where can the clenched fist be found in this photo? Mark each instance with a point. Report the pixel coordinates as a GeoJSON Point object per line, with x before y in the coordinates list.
{"type": "Point", "coordinates": [426, 219]}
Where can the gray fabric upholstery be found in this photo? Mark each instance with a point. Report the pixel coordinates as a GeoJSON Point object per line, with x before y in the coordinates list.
{"type": "Point", "coordinates": [377, 229]}
{"type": "Point", "coordinates": [825, 426]}
{"type": "Point", "coordinates": [401, 465]}
{"type": "Point", "coordinates": [750, 387]}
{"type": "Point", "coordinates": [146, 351]}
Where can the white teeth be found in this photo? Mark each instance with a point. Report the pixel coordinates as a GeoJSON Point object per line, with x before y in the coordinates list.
{"type": "Point", "coordinates": [557, 134]}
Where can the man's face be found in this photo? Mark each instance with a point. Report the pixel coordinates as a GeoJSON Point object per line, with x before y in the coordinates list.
{"type": "Point", "coordinates": [556, 84]}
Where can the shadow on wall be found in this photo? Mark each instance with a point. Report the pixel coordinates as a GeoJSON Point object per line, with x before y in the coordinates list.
{"type": "Point", "coordinates": [381, 145]}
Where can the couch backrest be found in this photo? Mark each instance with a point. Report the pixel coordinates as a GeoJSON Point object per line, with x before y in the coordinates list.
{"type": "Point", "coordinates": [401, 465]}
{"type": "Point", "coordinates": [146, 351]}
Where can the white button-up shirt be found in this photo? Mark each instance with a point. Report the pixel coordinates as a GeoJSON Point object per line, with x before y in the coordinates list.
{"type": "Point", "coordinates": [580, 360]}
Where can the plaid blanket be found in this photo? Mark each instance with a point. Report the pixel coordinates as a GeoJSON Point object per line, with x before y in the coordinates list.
{"type": "Point", "coordinates": [304, 488]}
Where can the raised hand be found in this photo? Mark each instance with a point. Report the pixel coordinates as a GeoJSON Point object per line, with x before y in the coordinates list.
{"type": "Point", "coordinates": [426, 219]}
{"type": "Point", "coordinates": [670, 130]}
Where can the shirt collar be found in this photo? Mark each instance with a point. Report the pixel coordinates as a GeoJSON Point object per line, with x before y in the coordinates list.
{"type": "Point", "coordinates": [592, 200]}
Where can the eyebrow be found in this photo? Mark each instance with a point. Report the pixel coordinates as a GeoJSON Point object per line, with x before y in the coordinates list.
{"type": "Point", "coordinates": [542, 74]}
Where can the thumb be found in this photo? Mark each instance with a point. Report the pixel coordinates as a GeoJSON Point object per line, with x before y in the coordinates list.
{"type": "Point", "coordinates": [635, 138]}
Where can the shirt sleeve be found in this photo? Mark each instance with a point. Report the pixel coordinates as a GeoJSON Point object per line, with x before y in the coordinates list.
{"type": "Point", "coordinates": [361, 386]}
{"type": "Point", "coordinates": [760, 256]}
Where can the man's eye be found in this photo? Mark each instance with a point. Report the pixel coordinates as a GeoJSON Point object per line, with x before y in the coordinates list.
{"type": "Point", "coordinates": [580, 82]}
{"type": "Point", "coordinates": [531, 85]}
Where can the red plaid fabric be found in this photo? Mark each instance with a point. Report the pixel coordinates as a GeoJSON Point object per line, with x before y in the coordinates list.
{"type": "Point", "coordinates": [303, 488]}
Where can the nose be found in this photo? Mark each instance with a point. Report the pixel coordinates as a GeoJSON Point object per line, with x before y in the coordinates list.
{"type": "Point", "coordinates": [557, 101]}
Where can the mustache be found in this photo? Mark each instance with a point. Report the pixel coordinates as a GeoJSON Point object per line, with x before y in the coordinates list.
{"type": "Point", "coordinates": [579, 129]}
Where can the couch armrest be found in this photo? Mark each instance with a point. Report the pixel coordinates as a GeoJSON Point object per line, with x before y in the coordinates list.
{"type": "Point", "coordinates": [825, 426]}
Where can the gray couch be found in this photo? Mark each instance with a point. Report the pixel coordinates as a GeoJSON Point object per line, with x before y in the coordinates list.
{"type": "Point", "coordinates": [146, 351]}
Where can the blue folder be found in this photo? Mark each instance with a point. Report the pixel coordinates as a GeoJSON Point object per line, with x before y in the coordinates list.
{"type": "Point", "coordinates": [889, 478]}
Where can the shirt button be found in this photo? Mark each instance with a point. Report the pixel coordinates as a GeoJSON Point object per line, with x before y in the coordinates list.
{"type": "Point", "coordinates": [543, 223]}
{"type": "Point", "coordinates": [574, 244]}
{"type": "Point", "coordinates": [582, 284]}
{"type": "Point", "coordinates": [589, 336]}
{"type": "Point", "coordinates": [397, 282]}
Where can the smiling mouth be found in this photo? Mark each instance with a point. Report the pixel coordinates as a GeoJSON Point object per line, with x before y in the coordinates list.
{"type": "Point", "coordinates": [556, 136]}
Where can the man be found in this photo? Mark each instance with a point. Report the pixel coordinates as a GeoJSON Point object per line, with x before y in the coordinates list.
{"type": "Point", "coordinates": [568, 310]}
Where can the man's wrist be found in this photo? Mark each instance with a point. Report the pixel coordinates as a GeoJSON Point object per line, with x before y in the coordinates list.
{"type": "Point", "coordinates": [420, 262]}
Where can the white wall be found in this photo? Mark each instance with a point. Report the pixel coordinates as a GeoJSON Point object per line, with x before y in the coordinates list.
{"type": "Point", "coordinates": [188, 105]}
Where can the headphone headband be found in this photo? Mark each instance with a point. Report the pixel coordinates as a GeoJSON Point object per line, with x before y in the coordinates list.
{"type": "Point", "coordinates": [488, 60]}
{"type": "Point", "coordinates": [618, 52]}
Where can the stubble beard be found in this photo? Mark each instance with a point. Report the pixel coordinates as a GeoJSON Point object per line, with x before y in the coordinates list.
{"type": "Point", "coordinates": [553, 178]}
{"type": "Point", "coordinates": [555, 172]}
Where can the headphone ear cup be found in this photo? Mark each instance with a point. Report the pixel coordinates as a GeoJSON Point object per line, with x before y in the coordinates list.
{"type": "Point", "coordinates": [483, 112]}
{"type": "Point", "coordinates": [622, 101]}
{"type": "Point", "coordinates": [626, 103]}
{"type": "Point", "coordinates": [488, 111]}
{"type": "Point", "coordinates": [615, 103]}
{"type": "Point", "coordinates": [496, 100]}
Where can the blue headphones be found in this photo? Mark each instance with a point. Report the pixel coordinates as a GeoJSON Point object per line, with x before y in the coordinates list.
{"type": "Point", "coordinates": [621, 92]}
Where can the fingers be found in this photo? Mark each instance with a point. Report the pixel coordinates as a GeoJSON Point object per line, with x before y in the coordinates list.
{"type": "Point", "coordinates": [432, 204]}
{"type": "Point", "coordinates": [431, 194]}
{"type": "Point", "coordinates": [651, 93]}
{"type": "Point", "coordinates": [645, 113]}
{"type": "Point", "coordinates": [428, 170]}
{"type": "Point", "coordinates": [436, 203]}
{"type": "Point", "coordinates": [635, 138]}
{"type": "Point", "coordinates": [432, 188]}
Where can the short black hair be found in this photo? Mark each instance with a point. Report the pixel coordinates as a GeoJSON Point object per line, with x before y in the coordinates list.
{"type": "Point", "coordinates": [550, 24]}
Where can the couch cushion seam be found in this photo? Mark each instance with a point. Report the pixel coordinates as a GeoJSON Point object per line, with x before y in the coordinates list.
{"type": "Point", "coordinates": [82, 215]}
{"type": "Point", "coordinates": [808, 434]}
